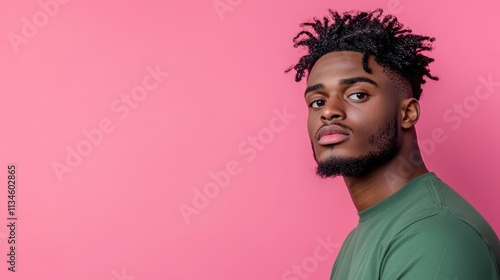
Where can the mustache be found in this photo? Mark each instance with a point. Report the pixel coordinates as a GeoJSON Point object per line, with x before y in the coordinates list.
{"type": "Point", "coordinates": [341, 125]}
{"type": "Point", "coordinates": [337, 124]}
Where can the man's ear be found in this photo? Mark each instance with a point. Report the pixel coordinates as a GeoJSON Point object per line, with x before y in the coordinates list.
{"type": "Point", "coordinates": [410, 112]}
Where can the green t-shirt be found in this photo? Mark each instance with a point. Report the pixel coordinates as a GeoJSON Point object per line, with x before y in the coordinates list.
{"type": "Point", "coordinates": [424, 231]}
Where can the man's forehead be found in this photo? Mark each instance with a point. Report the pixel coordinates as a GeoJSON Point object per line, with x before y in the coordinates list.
{"type": "Point", "coordinates": [338, 58]}
{"type": "Point", "coordinates": [341, 64]}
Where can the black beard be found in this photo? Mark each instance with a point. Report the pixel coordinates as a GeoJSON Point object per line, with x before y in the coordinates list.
{"type": "Point", "coordinates": [385, 144]}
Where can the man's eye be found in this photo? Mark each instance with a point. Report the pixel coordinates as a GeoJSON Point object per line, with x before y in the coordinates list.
{"type": "Point", "coordinates": [358, 96]}
{"type": "Point", "coordinates": [317, 103]}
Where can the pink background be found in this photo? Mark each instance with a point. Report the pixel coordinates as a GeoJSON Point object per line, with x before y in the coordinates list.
{"type": "Point", "coordinates": [116, 214]}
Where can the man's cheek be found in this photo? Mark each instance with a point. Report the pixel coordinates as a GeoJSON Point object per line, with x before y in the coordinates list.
{"type": "Point", "coordinates": [311, 136]}
{"type": "Point", "coordinates": [310, 130]}
{"type": "Point", "coordinates": [362, 147]}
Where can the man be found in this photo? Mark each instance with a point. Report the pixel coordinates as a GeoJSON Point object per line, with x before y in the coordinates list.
{"type": "Point", "coordinates": [364, 77]}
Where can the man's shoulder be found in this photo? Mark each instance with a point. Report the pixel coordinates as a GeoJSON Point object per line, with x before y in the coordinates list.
{"type": "Point", "coordinates": [447, 235]}
{"type": "Point", "coordinates": [439, 217]}
{"type": "Point", "coordinates": [441, 212]}
{"type": "Point", "coordinates": [452, 211]}
{"type": "Point", "coordinates": [435, 246]}
{"type": "Point", "coordinates": [439, 224]}
{"type": "Point", "coordinates": [434, 200]}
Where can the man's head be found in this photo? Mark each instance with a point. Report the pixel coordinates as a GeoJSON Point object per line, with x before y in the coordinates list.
{"type": "Point", "coordinates": [364, 80]}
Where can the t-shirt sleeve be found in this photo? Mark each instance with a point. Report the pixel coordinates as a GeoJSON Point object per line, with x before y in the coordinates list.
{"type": "Point", "coordinates": [440, 247]}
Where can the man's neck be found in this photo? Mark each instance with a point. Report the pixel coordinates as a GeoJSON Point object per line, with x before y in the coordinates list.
{"type": "Point", "coordinates": [383, 182]}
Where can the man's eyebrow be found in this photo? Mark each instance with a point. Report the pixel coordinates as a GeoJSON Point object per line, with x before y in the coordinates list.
{"type": "Point", "coordinates": [348, 81]}
{"type": "Point", "coordinates": [314, 87]}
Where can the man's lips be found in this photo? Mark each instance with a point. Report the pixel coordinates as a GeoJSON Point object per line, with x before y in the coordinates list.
{"type": "Point", "coordinates": [331, 134]}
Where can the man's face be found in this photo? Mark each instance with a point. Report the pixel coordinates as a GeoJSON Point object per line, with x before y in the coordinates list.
{"type": "Point", "coordinates": [353, 115]}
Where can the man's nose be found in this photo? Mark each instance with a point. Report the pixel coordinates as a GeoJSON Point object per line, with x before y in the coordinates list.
{"type": "Point", "coordinates": [333, 110]}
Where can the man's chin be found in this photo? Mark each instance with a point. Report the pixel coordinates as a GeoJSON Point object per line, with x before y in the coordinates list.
{"type": "Point", "coordinates": [340, 166]}
{"type": "Point", "coordinates": [356, 167]}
